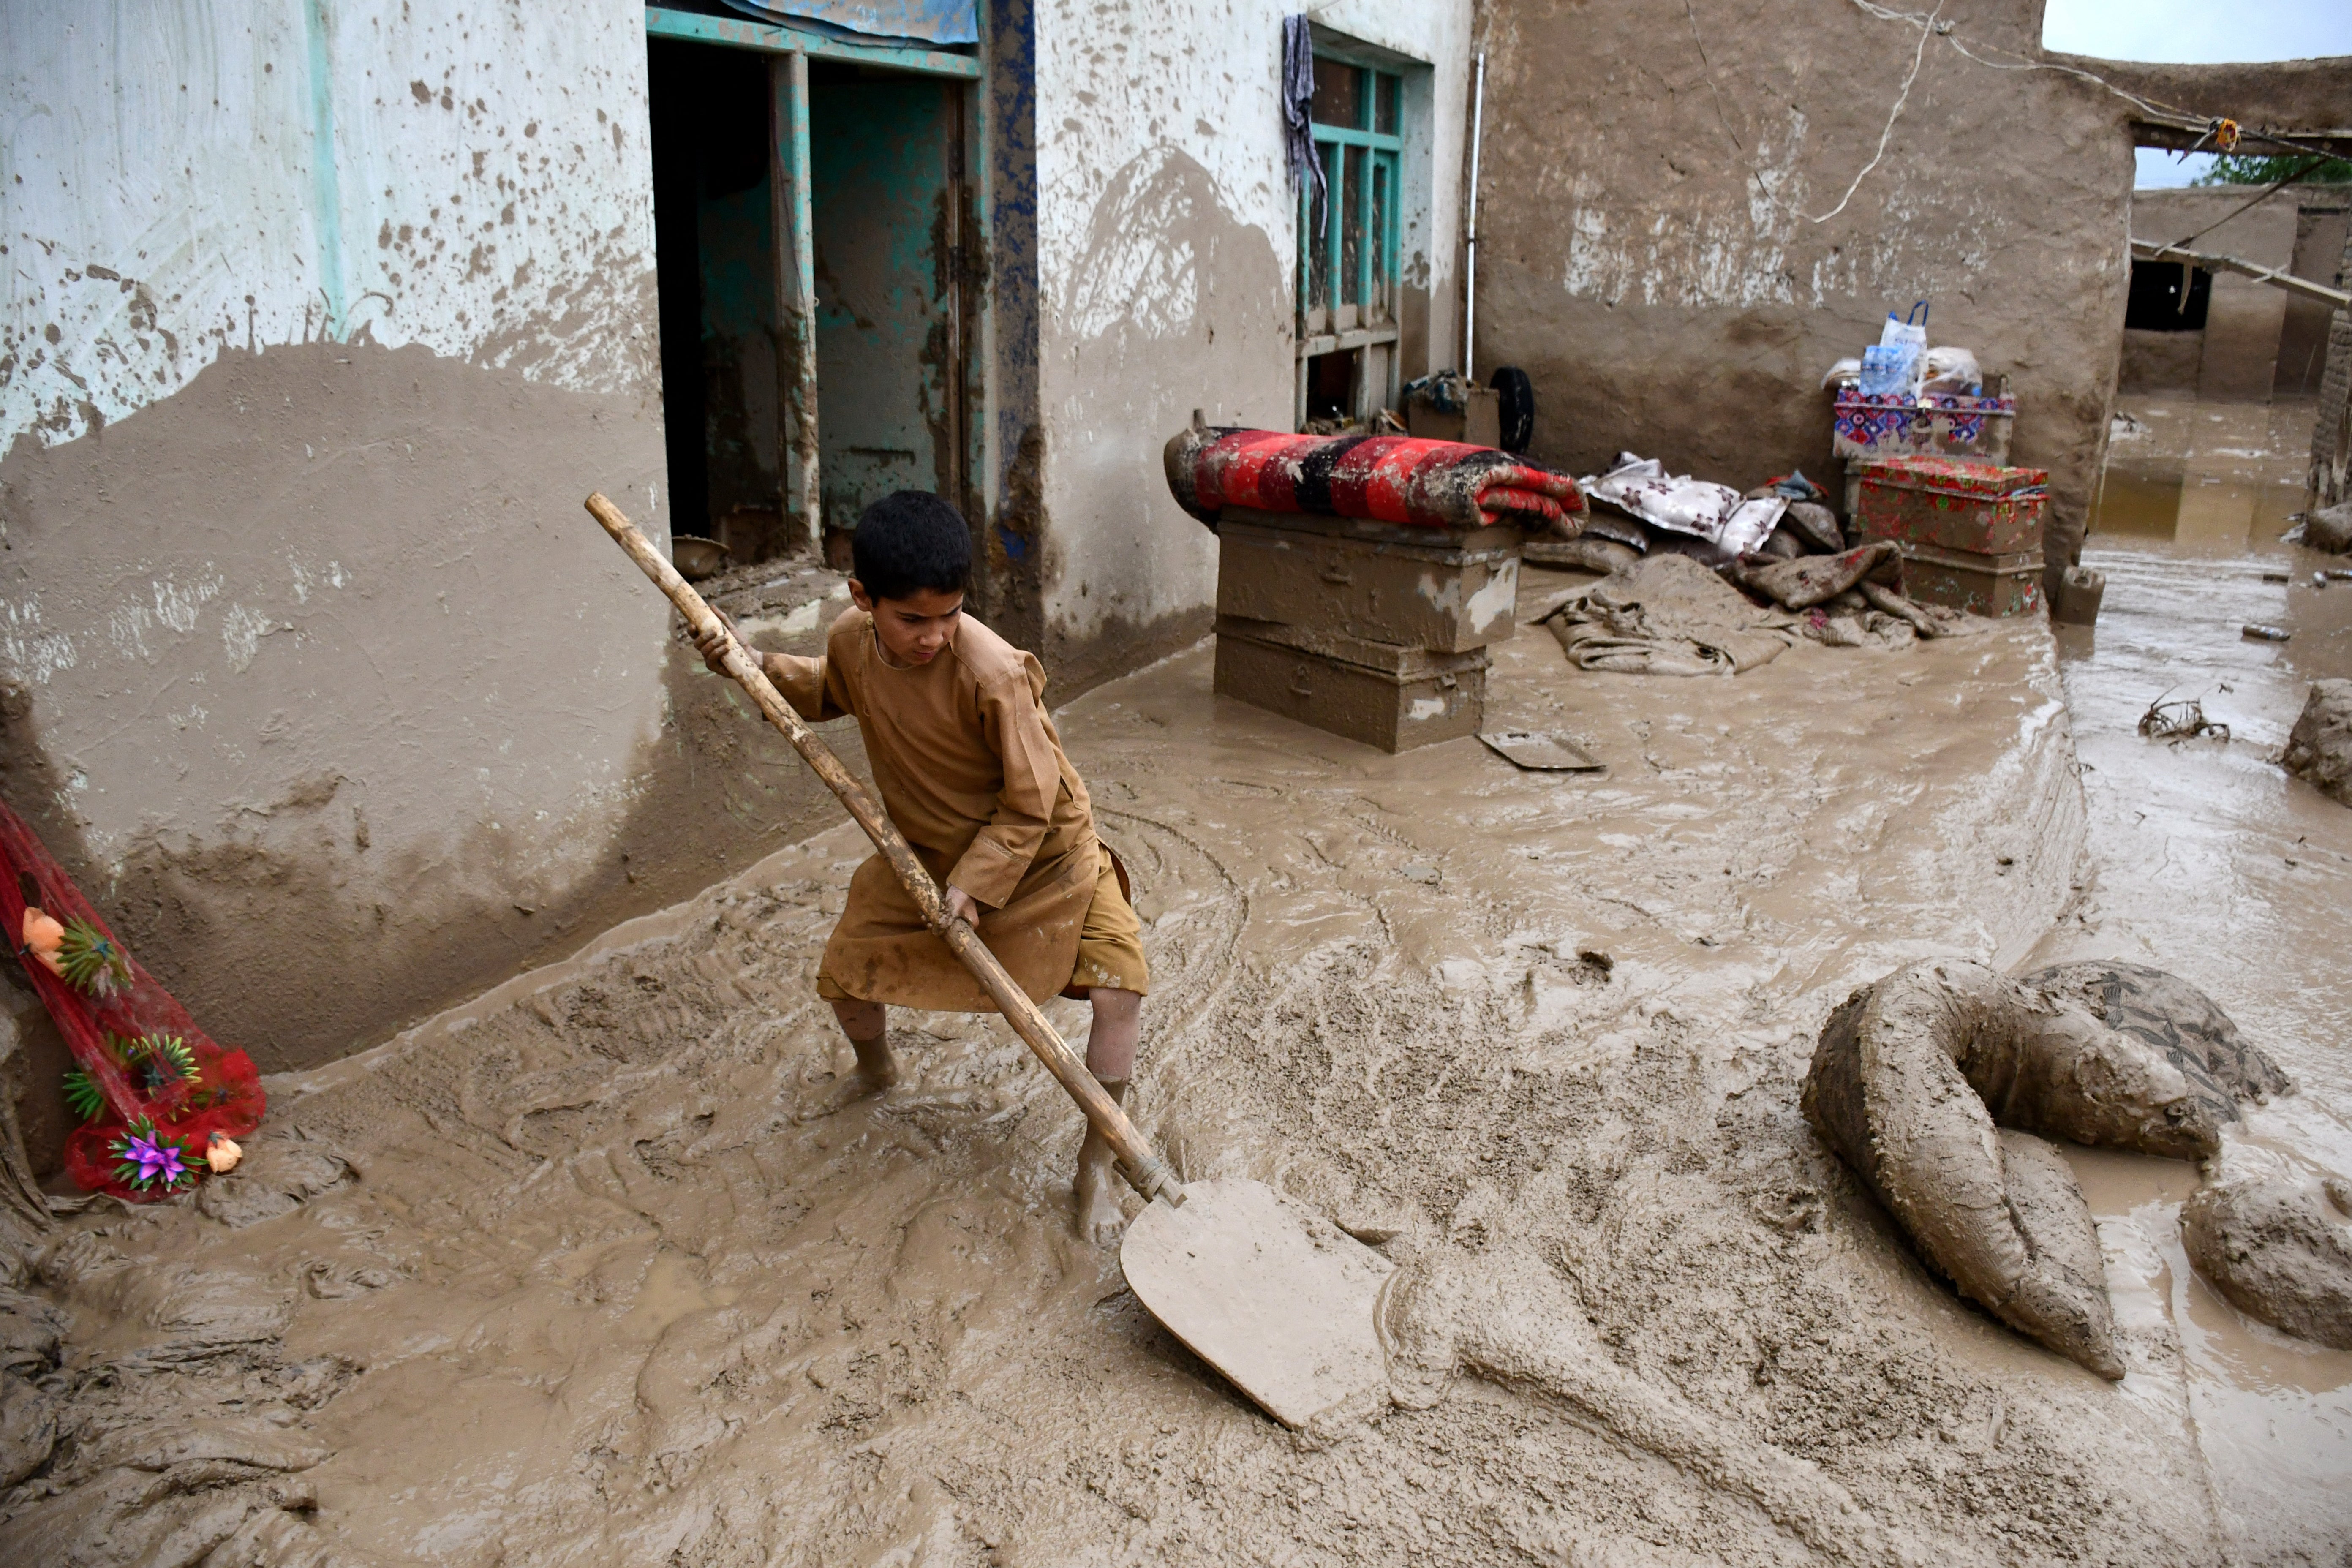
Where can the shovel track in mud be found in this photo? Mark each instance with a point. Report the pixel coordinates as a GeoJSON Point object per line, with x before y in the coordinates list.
{"type": "Point", "coordinates": [702, 1330]}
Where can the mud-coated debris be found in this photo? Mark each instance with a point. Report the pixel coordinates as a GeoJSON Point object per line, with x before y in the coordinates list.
{"type": "Point", "coordinates": [1509, 1319]}
{"type": "Point", "coordinates": [2181, 720]}
{"type": "Point", "coordinates": [2279, 1249]}
{"type": "Point", "coordinates": [28, 1428]}
{"type": "Point", "coordinates": [2329, 528]}
{"type": "Point", "coordinates": [30, 1332]}
{"type": "Point", "coordinates": [1908, 1081]}
{"type": "Point", "coordinates": [131, 1517]}
{"type": "Point", "coordinates": [2253, 631]}
{"type": "Point", "coordinates": [277, 1177]}
{"type": "Point", "coordinates": [2319, 748]}
{"type": "Point", "coordinates": [2177, 1019]}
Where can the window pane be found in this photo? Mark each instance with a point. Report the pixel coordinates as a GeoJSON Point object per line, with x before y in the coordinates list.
{"type": "Point", "coordinates": [1376, 301]}
{"type": "Point", "coordinates": [1339, 94]}
{"type": "Point", "coordinates": [1352, 234]}
{"type": "Point", "coordinates": [1390, 87]}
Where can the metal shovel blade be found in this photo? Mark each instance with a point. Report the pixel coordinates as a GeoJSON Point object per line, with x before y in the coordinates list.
{"type": "Point", "coordinates": [1279, 1299]}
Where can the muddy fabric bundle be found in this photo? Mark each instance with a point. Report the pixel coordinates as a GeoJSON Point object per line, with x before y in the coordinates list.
{"type": "Point", "coordinates": [216, 1090]}
{"type": "Point", "coordinates": [1930, 1082]}
{"type": "Point", "coordinates": [1667, 615]}
{"type": "Point", "coordinates": [1382, 479]}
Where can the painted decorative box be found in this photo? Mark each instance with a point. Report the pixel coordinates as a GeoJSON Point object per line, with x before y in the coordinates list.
{"type": "Point", "coordinates": [1952, 504]}
{"type": "Point", "coordinates": [1971, 532]}
{"type": "Point", "coordinates": [1932, 424]}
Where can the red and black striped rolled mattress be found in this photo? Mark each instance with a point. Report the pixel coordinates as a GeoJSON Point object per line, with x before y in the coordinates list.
{"type": "Point", "coordinates": [1396, 479]}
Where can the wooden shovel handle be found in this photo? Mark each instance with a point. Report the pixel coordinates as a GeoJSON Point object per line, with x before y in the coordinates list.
{"type": "Point", "coordinates": [1149, 1175]}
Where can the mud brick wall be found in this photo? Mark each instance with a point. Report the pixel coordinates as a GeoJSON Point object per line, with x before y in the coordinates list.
{"type": "Point", "coordinates": [1668, 247]}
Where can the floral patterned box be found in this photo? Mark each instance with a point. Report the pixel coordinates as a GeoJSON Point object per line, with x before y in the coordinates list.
{"type": "Point", "coordinates": [1933, 424]}
{"type": "Point", "coordinates": [1950, 504]}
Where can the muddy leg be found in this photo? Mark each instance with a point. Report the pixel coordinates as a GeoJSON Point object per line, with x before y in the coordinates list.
{"type": "Point", "coordinates": [1110, 1056]}
{"type": "Point", "coordinates": [867, 1024]}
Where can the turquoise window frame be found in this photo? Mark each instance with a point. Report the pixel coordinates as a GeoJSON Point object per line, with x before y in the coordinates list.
{"type": "Point", "coordinates": [1384, 156]}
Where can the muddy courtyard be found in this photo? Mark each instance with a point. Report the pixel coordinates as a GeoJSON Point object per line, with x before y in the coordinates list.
{"type": "Point", "coordinates": [573, 1274]}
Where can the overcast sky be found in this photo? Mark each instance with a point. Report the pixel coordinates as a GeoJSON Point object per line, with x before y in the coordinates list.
{"type": "Point", "coordinates": [2190, 32]}
{"type": "Point", "coordinates": [2198, 32]}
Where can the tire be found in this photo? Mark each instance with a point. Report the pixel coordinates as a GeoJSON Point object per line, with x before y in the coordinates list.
{"type": "Point", "coordinates": [1518, 407]}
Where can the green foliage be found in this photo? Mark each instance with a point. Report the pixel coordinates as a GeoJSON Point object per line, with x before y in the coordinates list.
{"type": "Point", "coordinates": [2270, 168]}
{"type": "Point", "coordinates": [93, 964]}
{"type": "Point", "coordinates": [162, 1059]}
{"type": "Point", "coordinates": [83, 1097]}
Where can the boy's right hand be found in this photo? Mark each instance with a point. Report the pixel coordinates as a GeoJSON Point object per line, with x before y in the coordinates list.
{"type": "Point", "coordinates": [712, 646]}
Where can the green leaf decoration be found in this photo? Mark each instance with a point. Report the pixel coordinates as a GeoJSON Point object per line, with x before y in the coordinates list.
{"type": "Point", "coordinates": [94, 964]}
{"type": "Point", "coordinates": [162, 1059]}
{"type": "Point", "coordinates": [83, 1097]}
{"type": "Point", "coordinates": [173, 1053]}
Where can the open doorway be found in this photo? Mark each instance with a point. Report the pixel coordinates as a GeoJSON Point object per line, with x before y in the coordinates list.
{"type": "Point", "coordinates": [885, 213]}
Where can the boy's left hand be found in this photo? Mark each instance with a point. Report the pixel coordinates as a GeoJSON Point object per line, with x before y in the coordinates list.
{"type": "Point", "coordinates": [963, 906]}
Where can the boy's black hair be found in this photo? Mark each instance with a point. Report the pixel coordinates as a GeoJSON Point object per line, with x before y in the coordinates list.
{"type": "Point", "coordinates": [910, 541]}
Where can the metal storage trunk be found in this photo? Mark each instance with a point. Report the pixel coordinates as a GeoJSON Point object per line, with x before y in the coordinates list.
{"type": "Point", "coordinates": [1403, 698]}
{"type": "Point", "coordinates": [1952, 505]}
{"type": "Point", "coordinates": [1415, 588]}
{"type": "Point", "coordinates": [1933, 424]}
{"type": "Point", "coordinates": [1983, 584]}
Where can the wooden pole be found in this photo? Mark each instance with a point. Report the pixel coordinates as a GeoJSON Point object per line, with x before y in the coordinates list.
{"type": "Point", "coordinates": [794, 218]}
{"type": "Point", "coordinates": [1146, 1170]}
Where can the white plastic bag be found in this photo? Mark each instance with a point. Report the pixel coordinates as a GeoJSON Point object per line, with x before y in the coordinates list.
{"type": "Point", "coordinates": [1897, 333]}
{"type": "Point", "coordinates": [1952, 370]}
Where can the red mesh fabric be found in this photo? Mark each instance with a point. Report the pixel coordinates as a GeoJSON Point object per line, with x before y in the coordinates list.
{"type": "Point", "coordinates": [226, 1094]}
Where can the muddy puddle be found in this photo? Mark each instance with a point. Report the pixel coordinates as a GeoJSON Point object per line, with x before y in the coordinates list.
{"type": "Point", "coordinates": [571, 1275]}
{"type": "Point", "coordinates": [2207, 859]}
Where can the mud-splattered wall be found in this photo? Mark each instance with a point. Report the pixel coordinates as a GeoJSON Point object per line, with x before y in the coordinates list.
{"type": "Point", "coordinates": [1165, 254]}
{"type": "Point", "coordinates": [317, 322]}
{"type": "Point", "coordinates": [1669, 246]}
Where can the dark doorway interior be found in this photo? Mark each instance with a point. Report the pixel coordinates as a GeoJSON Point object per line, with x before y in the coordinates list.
{"type": "Point", "coordinates": [2155, 303]}
{"type": "Point", "coordinates": [715, 240]}
{"type": "Point", "coordinates": [888, 208]}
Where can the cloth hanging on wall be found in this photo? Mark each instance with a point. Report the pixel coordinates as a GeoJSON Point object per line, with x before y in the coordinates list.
{"type": "Point", "coordinates": [926, 21]}
{"type": "Point", "coordinates": [1298, 115]}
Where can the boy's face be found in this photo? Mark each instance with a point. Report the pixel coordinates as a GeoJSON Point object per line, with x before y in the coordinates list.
{"type": "Point", "coordinates": [912, 629]}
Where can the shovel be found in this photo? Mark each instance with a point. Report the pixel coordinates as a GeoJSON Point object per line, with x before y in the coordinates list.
{"type": "Point", "coordinates": [1281, 1301]}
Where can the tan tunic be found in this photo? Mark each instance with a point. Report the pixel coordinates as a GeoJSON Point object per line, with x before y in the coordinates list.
{"type": "Point", "coordinates": [970, 767]}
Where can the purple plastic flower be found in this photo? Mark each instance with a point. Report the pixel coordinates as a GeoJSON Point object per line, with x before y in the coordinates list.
{"type": "Point", "coordinates": [149, 1156]}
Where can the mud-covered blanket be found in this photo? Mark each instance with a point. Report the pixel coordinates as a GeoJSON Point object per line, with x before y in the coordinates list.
{"type": "Point", "coordinates": [1667, 615]}
{"type": "Point", "coordinates": [1383, 479]}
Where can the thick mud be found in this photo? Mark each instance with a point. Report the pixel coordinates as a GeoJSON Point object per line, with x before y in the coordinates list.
{"type": "Point", "coordinates": [565, 1277]}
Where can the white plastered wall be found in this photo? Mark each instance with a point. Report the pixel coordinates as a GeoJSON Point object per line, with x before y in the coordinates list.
{"type": "Point", "coordinates": [1166, 257]}
{"type": "Point", "coordinates": [317, 322]}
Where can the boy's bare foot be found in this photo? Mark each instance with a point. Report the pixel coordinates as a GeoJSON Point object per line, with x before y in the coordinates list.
{"type": "Point", "coordinates": [877, 1069]}
{"type": "Point", "coordinates": [1096, 1185]}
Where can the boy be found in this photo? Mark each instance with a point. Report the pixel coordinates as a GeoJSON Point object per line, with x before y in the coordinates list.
{"type": "Point", "coordinates": [970, 769]}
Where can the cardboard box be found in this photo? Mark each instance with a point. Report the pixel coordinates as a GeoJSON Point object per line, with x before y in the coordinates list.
{"type": "Point", "coordinates": [1410, 697]}
{"type": "Point", "coordinates": [1445, 591]}
{"type": "Point", "coordinates": [1983, 584]}
{"type": "Point", "coordinates": [1952, 505]}
{"type": "Point", "coordinates": [1480, 424]}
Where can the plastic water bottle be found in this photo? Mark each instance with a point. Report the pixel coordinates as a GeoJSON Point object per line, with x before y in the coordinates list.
{"type": "Point", "coordinates": [1886, 368]}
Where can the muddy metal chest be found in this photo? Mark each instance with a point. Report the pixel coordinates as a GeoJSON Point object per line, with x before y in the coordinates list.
{"type": "Point", "coordinates": [1971, 532]}
{"type": "Point", "coordinates": [1385, 696]}
{"type": "Point", "coordinates": [1370, 631]}
{"type": "Point", "coordinates": [1420, 587]}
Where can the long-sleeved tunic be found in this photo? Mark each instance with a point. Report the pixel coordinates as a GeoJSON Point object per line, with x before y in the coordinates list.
{"type": "Point", "coordinates": [970, 767]}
